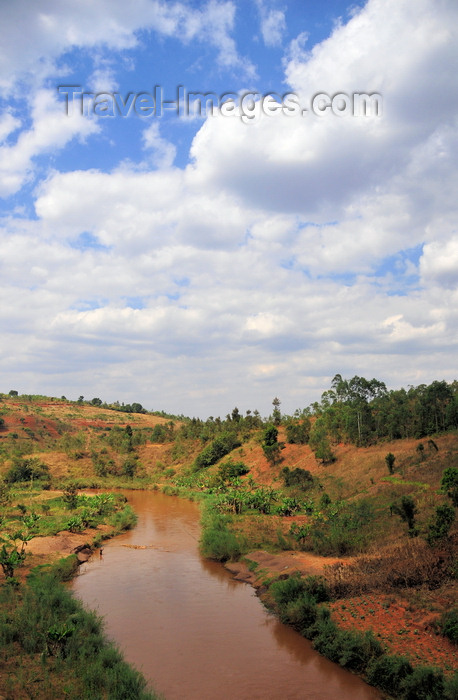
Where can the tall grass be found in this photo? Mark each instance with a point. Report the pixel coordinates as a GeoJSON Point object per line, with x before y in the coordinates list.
{"type": "Point", "coordinates": [64, 643]}
{"type": "Point", "coordinates": [217, 541]}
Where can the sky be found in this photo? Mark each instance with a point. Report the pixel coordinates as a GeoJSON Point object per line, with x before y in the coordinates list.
{"type": "Point", "coordinates": [193, 259]}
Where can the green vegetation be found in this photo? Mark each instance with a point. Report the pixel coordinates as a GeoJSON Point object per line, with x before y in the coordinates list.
{"type": "Point", "coordinates": [47, 637]}
{"type": "Point", "coordinates": [218, 448]}
{"type": "Point", "coordinates": [407, 510]}
{"type": "Point", "coordinates": [330, 488]}
{"type": "Point", "coordinates": [301, 602]}
{"type": "Point", "coordinates": [448, 625]}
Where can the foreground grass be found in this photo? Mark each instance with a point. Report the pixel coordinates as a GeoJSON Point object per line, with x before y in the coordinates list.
{"type": "Point", "coordinates": [51, 647]}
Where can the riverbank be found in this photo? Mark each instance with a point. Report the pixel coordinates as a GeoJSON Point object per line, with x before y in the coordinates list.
{"type": "Point", "coordinates": [50, 646]}
{"type": "Point", "coordinates": [383, 638]}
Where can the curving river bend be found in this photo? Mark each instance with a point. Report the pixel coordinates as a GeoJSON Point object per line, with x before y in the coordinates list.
{"type": "Point", "coordinates": [194, 632]}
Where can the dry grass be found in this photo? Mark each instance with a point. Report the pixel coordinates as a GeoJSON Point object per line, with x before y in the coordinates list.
{"type": "Point", "coordinates": [409, 564]}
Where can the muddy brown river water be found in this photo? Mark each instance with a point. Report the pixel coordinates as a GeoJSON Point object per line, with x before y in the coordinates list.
{"type": "Point", "coordinates": [195, 633]}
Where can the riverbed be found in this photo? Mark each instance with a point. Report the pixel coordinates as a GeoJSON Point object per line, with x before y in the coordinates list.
{"type": "Point", "coordinates": [194, 632]}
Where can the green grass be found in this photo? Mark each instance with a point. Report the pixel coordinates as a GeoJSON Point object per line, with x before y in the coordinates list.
{"type": "Point", "coordinates": [48, 638]}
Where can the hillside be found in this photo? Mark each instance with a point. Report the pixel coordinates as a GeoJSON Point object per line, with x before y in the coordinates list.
{"type": "Point", "coordinates": [272, 506]}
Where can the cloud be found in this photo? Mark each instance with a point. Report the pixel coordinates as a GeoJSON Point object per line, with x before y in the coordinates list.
{"type": "Point", "coordinates": [50, 129]}
{"type": "Point", "coordinates": [163, 152]}
{"type": "Point", "coordinates": [287, 250]}
{"type": "Point", "coordinates": [273, 23]}
{"type": "Point", "coordinates": [35, 36]}
{"type": "Point", "coordinates": [439, 263]}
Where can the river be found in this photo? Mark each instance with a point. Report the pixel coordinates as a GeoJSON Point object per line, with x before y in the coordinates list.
{"type": "Point", "coordinates": [192, 630]}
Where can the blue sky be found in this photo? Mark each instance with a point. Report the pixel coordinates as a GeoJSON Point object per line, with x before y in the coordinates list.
{"type": "Point", "coordinates": [194, 264]}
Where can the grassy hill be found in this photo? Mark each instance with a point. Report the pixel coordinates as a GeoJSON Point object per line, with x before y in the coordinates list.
{"type": "Point", "coordinates": [274, 505]}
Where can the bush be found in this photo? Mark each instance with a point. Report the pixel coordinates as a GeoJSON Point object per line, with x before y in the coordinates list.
{"type": "Point", "coordinates": [124, 519]}
{"type": "Point", "coordinates": [350, 649]}
{"type": "Point", "coordinates": [217, 449]}
{"type": "Point", "coordinates": [387, 672]}
{"type": "Point", "coordinates": [424, 683]}
{"type": "Point", "coordinates": [345, 531]}
{"type": "Point", "coordinates": [449, 484]}
{"type": "Point", "coordinates": [217, 541]}
{"type": "Point", "coordinates": [390, 460]}
{"type": "Point", "coordinates": [300, 613]}
{"type": "Point", "coordinates": [440, 527]}
{"type": "Point", "coordinates": [298, 433]}
{"type": "Point", "coordinates": [26, 469]}
{"type": "Point", "coordinates": [451, 687]}
{"type": "Point", "coordinates": [448, 625]}
{"type": "Point", "coordinates": [231, 470]}
{"type": "Point", "coordinates": [297, 477]}
{"type": "Point", "coordinates": [285, 591]}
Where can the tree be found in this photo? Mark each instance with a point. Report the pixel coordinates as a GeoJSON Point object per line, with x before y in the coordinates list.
{"type": "Point", "coordinates": [270, 444]}
{"type": "Point", "coordinates": [449, 484]}
{"type": "Point", "coordinates": [390, 460]}
{"type": "Point", "coordinates": [96, 402]}
{"type": "Point", "coordinates": [298, 432]}
{"type": "Point", "coordinates": [440, 527]}
{"type": "Point", "coordinates": [235, 415]}
{"type": "Point", "coordinates": [11, 556]}
{"type": "Point", "coordinates": [407, 510]}
{"type": "Point", "coordinates": [276, 414]}
{"type": "Point", "coordinates": [70, 496]}
{"type": "Point", "coordinates": [27, 469]}
{"type": "Point", "coordinates": [319, 442]}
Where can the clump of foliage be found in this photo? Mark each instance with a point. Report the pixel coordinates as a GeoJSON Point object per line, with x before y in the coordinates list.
{"type": "Point", "coordinates": [336, 528]}
{"type": "Point", "coordinates": [320, 444]}
{"type": "Point", "coordinates": [448, 625]}
{"type": "Point", "coordinates": [270, 445]}
{"type": "Point", "coordinates": [230, 470]}
{"type": "Point", "coordinates": [449, 484]}
{"type": "Point", "coordinates": [27, 469]}
{"type": "Point", "coordinates": [300, 478]}
{"type": "Point", "coordinates": [217, 541]}
{"type": "Point", "coordinates": [440, 527]}
{"type": "Point", "coordinates": [298, 431]}
{"type": "Point", "coordinates": [390, 460]}
{"type": "Point", "coordinates": [388, 672]}
{"type": "Point", "coordinates": [407, 510]}
{"type": "Point", "coordinates": [217, 449]}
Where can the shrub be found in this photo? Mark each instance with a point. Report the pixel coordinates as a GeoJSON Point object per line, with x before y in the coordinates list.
{"type": "Point", "coordinates": [451, 687]}
{"type": "Point", "coordinates": [298, 433]}
{"type": "Point", "coordinates": [449, 484]}
{"type": "Point", "coordinates": [351, 649]}
{"type": "Point", "coordinates": [448, 625]}
{"type": "Point", "coordinates": [297, 477]}
{"type": "Point", "coordinates": [124, 519]}
{"type": "Point", "coordinates": [217, 541]}
{"type": "Point", "coordinates": [390, 460]}
{"type": "Point", "coordinates": [440, 527]}
{"type": "Point", "coordinates": [27, 469]}
{"type": "Point", "coordinates": [407, 510]}
{"type": "Point", "coordinates": [285, 591]}
{"type": "Point", "coordinates": [231, 470]}
{"type": "Point", "coordinates": [387, 672]}
{"type": "Point", "coordinates": [300, 613]}
{"type": "Point", "coordinates": [424, 683]}
{"type": "Point", "coordinates": [217, 449]}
